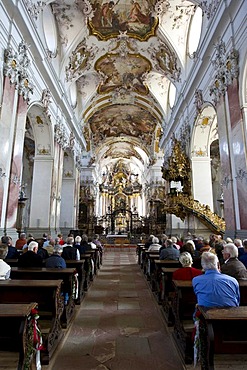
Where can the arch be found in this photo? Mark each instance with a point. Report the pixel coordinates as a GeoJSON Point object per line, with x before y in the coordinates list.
{"type": "Point", "coordinates": [39, 135]}
{"type": "Point", "coordinates": [204, 133]}
{"type": "Point", "coordinates": [42, 130]}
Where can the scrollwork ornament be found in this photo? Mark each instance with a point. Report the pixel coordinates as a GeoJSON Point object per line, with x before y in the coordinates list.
{"type": "Point", "coordinates": [227, 69]}
{"type": "Point", "coordinates": [161, 7]}
{"type": "Point", "coordinates": [34, 9]}
{"type": "Point", "coordinates": [209, 7]}
{"type": "Point", "coordinates": [198, 100]}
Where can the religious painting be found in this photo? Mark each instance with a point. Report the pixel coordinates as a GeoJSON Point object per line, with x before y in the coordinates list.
{"type": "Point", "coordinates": [122, 120]}
{"type": "Point", "coordinates": [123, 72]}
{"type": "Point", "coordinates": [130, 16]}
{"type": "Point", "coordinates": [125, 150]}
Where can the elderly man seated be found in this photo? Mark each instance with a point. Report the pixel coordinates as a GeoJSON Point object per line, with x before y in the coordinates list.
{"type": "Point", "coordinates": [170, 252]}
{"type": "Point", "coordinates": [214, 289]}
{"type": "Point", "coordinates": [56, 260]}
{"type": "Point", "coordinates": [30, 258]}
{"type": "Point", "coordinates": [232, 266]}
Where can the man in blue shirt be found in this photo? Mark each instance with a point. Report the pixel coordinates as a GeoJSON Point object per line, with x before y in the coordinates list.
{"type": "Point", "coordinates": [214, 289]}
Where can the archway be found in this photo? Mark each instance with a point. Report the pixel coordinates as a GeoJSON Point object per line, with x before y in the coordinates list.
{"type": "Point", "coordinates": [205, 159]}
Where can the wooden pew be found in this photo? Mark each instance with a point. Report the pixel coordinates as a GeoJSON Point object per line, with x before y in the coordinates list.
{"type": "Point", "coordinates": [47, 293]}
{"type": "Point", "coordinates": [82, 282]}
{"type": "Point", "coordinates": [15, 324]}
{"type": "Point", "coordinates": [222, 331]}
{"type": "Point", "coordinates": [12, 262]}
{"type": "Point", "coordinates": [243, 292]}
{"type": "Point", "coordinates": [183, 307]}
{"type": "Point", "coordinates": [139, 249]}
{"type": "Point", "coordinates": [148, 266]}
{"type": "Point", "coordinates": [167, 293]}
{"type": "Point", "coordinates": [67, 275]}
{"type": "Point", "coordinates": [89, 272]}
{"type": "Point", "coordinates": [156, 277]}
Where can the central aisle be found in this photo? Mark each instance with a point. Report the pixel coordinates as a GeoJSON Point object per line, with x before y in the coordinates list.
{"type": "Point", "coordinates": [119, 325]}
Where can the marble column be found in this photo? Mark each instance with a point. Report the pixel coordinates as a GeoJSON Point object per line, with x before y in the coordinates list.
{"type": "Point", "coordinates": [7, 127]}
{"type": "Point", "coordinates": [16, 165]}
{"type": "Point", "coordinates": [226, 166]}
{"type": "Point", "coordinates": [238, 153]}
{"type": "Point", "coordinates": [57, 175]}
{"type": "Point", "coordinates": [67, 219]}
{"type": "Point", "coordinates": [41, 197]}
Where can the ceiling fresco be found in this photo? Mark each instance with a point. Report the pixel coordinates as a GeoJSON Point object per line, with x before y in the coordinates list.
{"type": "Point", "coordinates": [122, 56]}
{"type": "Point", "coordinates": [126, 73]}
{"type": "Point", "coordinates": [122, 120]}
{"type": "Point", "coordinates": [130, 16]}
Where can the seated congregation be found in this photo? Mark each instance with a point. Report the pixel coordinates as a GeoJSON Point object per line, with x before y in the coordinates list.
{"type": "Point", "coordinates": [44, 278]}
{"type": "Point", "coordinates": [200, 284]}
{"type": "Point", "coordinates": [203, 296]}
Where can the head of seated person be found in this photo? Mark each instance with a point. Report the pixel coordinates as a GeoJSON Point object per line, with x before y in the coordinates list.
{"type": "Point", "coordinates": [78, 239]}
{"type": "Point", "coordinates": [4, 267]}
{"type": "Point", "coordinates": [155, 246]}
{"type": "Point", "coordinates": [187, 272]}
{"type": "Point", "coordinates": [185, 259]}
{"type": "Point", "coordinates": [232, 265]}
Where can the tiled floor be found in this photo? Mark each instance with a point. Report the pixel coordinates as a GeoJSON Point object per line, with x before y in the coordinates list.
{"type": "Point", "coordinates": [118, 325]}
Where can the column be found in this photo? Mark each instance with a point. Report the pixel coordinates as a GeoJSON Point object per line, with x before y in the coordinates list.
{"type": "Point", "coordinates": [40, 205]}
{"type": "Point", "coordinates": [16, 166]}
{"type": "Point", "coordinates": [7, 127]}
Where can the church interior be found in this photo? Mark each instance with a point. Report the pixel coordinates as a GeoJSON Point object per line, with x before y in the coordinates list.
{"type": "Point", "coordinates": [124, 119]}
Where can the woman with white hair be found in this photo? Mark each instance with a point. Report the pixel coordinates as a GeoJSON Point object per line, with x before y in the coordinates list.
{"type": "Point", "coordinates": [155, 246]}
{"type": "Point", "coordinates": [187, 272]}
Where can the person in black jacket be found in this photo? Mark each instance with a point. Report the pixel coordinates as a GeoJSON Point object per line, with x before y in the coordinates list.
{"type": "Point", "coordinates": [69, 251]}
{"type": "Point", "coordinates": [31, 258]}
{"type": "Point", "coordinates": [12, 251]}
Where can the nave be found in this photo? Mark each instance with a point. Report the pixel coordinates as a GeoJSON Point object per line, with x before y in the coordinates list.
{"type": "Point", "coordinates": [119, 325]}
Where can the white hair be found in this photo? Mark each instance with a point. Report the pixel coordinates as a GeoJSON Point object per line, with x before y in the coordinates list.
{"type": "Point", "coordinates": [77, 239]}
{"type": "Point", "coordinates": [209, 261]}
{"type": "Point", "coordinates": [32, 245]}
{"type": "Point", "coordinates": [155, 240]}
{"type": "Point", "coordinates": [185, 259]}
{"type": "Point", "coordinates": [231, 249]}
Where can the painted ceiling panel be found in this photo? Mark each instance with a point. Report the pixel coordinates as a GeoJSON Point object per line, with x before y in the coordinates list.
{"type": "Point", "coordinates": [122, 56]}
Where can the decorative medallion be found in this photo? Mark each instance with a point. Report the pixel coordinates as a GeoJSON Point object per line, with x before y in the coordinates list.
{"type": "Point", "coordinates": [134, 17]}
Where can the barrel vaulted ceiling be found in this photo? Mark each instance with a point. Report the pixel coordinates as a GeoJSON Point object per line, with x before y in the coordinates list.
{"type": "Point", "coordinates": [119, 61]}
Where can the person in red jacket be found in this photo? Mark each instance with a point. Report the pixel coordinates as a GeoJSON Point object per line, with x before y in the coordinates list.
{"type": "Point", "coordinates": [187, 272]}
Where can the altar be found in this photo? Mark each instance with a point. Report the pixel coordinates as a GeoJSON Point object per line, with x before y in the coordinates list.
{"type": "Point", "coordinates": [117, 239]}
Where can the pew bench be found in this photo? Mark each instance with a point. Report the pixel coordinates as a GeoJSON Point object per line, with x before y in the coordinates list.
{"type": "Point", "coordinates": [167, 293]}
{"type": "Point", "coordinates": [183, 308]}
{"type": "Point", "coordinates": [88, 269]}
{"type": "Point", "coordinates": [66, 275]}
{"type": "Point", "coordinates": [80, 269]}
{"type": "Point", "coordinates": [47, 294]}
{"type": "Point", "coordinates": [222, 331]}
{"type": "Point", "coordinates": [156, 276]}
{"type": "Point", "coordinates": [16, 332]}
